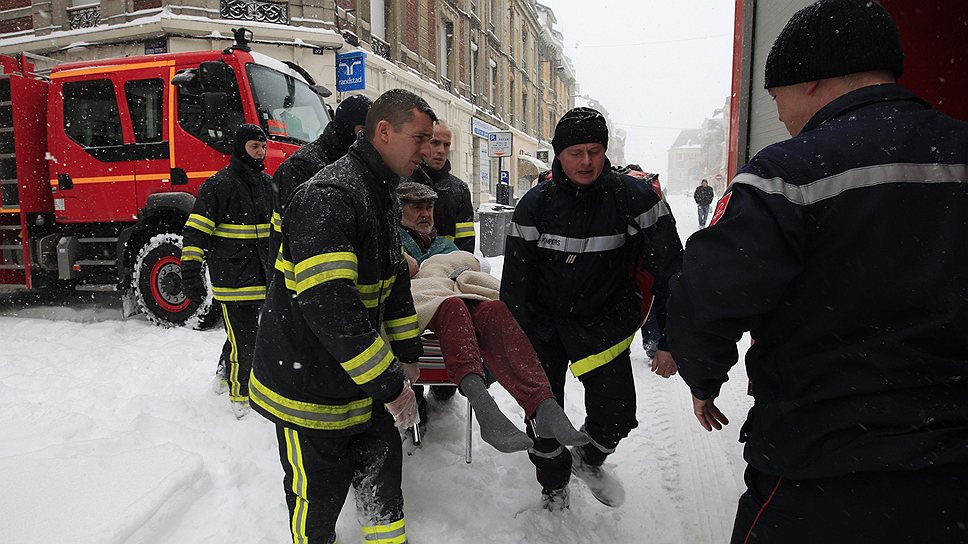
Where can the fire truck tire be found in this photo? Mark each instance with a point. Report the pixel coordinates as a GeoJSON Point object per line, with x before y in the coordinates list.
{"type": "Point", "coordinates": [156, 282]}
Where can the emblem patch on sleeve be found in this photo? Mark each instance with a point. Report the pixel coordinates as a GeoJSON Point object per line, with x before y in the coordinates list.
{"type": "Point", "coordinates": [720, 208]}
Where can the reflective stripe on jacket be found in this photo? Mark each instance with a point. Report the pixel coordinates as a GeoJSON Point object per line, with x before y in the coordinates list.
{"type": "Point", "coordinates": [321, 362]}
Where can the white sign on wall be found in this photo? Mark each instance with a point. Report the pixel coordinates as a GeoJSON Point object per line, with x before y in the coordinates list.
{"type": "Point", "coordinates": [499, 144]}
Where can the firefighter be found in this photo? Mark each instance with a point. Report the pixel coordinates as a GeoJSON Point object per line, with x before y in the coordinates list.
{"type": "Point", "coordinates": [453, 216]}
{"type": "Point", "coordinates": [332, 144]}
{"type": "Point", "coordinates": [570, 250]}
{"type": "Point", "coordinates": [322, 371]}
{"type": "Point", "coordinates": [229, 229]}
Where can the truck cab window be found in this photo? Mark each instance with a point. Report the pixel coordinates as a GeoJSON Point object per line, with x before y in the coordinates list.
{"type": "Point", "coordinates": [91, 115]}
{"type": "Point", "coordinates": [145, 105]}
{"type": "Point", "coordinates": [191, 116]}
{"type": "Point", "coordinates": [288, 108]}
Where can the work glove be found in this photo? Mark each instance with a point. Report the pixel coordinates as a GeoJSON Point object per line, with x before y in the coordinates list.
{"type": "Point", "coordinates": [404, 408]}
{"type": "Point", "coordinates": [411, 371]}
{"type": "Point", "coordinates": [194, 287]}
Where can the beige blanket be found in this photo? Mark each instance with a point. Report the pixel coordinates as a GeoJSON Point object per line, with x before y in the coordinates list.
{"type": "Point", "coordinates": [433, 283]}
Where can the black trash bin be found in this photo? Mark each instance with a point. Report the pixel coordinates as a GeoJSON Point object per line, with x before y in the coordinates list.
{"type": "Point", "coordinates": [495, 221]}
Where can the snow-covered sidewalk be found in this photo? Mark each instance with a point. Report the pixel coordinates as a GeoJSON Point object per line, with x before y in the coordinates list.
{"type": "Point", "coordinates": [111, 434]}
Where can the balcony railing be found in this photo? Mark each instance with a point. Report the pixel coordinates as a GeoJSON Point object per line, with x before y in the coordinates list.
{"type": "Point", "coordinates": [446, 84]}
{"type": "Point", "coordinates": [84, 16]}
{"type": "Point", "coordinates": [253, 10]}
{"type": "Point", "coordinates": [380, 47]}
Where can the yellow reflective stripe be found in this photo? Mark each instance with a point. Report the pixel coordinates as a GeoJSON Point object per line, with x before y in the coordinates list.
{"type": "Point", "coordinates": [239, 294]}
{"type": "Point", "coordinates": [276, 222]}
{"type": "Point", "coordinates": [370, 363]}
{"type": "Point", "coordinates": [339, 265]}
{"type": "Point", "coordinates": [192, 253]}
{"type": "Point", "coordinates": [235, 386]}
{"type": "Point", "coordinates": [300, 485]}
{"type": "Point", "coordinates": [373, 294]}
{"type": "Point", "coordinates": [201, 223]}
{"type": "Point", "coordinates": [391, 533]}
{"type": "Point", "coordinates": [449, 237]}
{"type": "Point", "coordinates": [321, 417]}
{"type": "Point", "coordinates": [287, 269]}
{"type": "Point", "coordinates": [592, 362]}
{"type": "Point", "coordinates": [464, 230]}
{"type": "Point", "coordinates": [242, 232]}
{"type": "Point", "coordinates": [402, 328]}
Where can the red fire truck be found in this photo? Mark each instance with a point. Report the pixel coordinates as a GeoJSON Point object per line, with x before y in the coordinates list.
{"type": "Point", "coordinates": [100, 162]}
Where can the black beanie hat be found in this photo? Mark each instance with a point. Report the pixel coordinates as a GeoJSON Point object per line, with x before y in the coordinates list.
{"type": "Point", "coordinates": [580, 126]}
{"type": "Point", "coordinates": [832, 38]}
{"type": "Point", "coordinates": [243, 134]}
{"type": "Point", "coordinates": [351, 112]}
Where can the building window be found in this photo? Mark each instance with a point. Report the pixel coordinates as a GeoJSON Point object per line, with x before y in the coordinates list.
{"type": "Point", "coordinates": [378, 19]}
{"type": "Point", "coordinates": [491, 80]}
{"type": "Point", "coordinates": [474, 64]}
{"type": "Point", "coordinates": [446, 42]}
{"type": "Point", "coordinates": [511, 101]}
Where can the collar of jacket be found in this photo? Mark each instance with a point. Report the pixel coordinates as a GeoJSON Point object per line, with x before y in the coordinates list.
{"type": "Point", "coordinates": [244, 171]}
{"type": "Point", "coordinates": [562, 181]}
{"type": "Point", "coordinates": [871, 94]}
{"type": "Point", "coordinates": [439, 175]}
{"type": "Point", "coordinates": [364, 152]}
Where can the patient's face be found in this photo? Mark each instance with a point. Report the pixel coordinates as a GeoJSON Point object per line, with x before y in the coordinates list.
{"type": "Point", "coordinates": [418, 216]}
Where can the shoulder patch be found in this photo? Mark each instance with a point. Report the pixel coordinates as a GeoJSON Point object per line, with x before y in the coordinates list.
{"type": "Point", "coordinates": [720, 208]}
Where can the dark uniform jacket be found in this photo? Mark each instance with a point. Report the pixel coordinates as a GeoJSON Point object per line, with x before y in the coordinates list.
{"type": "Point", "coordinates": [305, 162]}
{"type": "Point", "coordinates": [320, 362]}
{"type": "Point", "coordinates": [703, 195]}
{"type": "Point", "coordinates": [572, 275]}
{"type": "Point", "coordinates": [843, 252]}
{"type": "Point", "coordinates": [229, 229]}
{"type": "Point", "coordinates": [453, 211]}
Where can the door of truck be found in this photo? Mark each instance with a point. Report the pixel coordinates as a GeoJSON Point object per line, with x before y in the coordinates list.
{"type": "Point", "coordinates": [198, 151]}
{"type": "Point", "coordinates": [146, 107]}
{"type": "Point", "coordinates": [92, 176]}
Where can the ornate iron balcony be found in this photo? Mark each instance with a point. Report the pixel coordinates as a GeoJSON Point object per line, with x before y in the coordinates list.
{"type": "Point", "coordinates": [84, 16]}
{"type": "Point", "coordinates": [380, 47]}
{"type": "Point", "coordinates": [253, 10]}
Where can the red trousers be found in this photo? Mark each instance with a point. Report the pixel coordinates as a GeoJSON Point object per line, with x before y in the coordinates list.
{"type": "Point", "coordinates": [471, 332]}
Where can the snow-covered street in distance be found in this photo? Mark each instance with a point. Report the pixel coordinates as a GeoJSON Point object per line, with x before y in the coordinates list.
{"type": "Point", "coordinates": [110, 433]}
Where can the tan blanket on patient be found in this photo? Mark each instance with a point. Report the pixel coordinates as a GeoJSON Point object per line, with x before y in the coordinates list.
{"type": "Point", "coordinates": [456, 274]}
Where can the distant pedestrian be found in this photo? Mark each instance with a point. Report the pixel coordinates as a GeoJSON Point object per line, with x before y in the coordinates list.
{"type": "Point", "coordinates": [842, 251]}
{"type": "Point", "coordinates": [704, 197]}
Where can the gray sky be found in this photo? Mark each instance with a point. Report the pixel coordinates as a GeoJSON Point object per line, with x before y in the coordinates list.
{"type": "Point", "coordinates": [658, 66]}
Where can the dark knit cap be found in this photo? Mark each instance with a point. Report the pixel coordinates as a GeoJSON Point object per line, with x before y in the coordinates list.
{"type": "Point", "coordinates": [351, 112]}
{"type": "Point", "coordinates": [413, 192]}
{"type": "Point", "coordinates": [580, 126]}
{"type": "Point", "coordinates": [243, 134]}
{"type": "Point", "coordinates": [832, 38]}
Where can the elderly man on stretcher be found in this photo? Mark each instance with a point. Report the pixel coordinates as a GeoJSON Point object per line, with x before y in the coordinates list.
{"type": "Point", "coordinates": [457, 300]}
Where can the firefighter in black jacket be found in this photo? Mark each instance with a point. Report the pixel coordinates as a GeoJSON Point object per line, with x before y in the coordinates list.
{"type": "Point", "coordinates": [572, 243]}
{"type": "Point", "coordinates": [229, 229]}
{"type": "Point", "coordinates": [348, 121]}
{"type": "Point", "coordinates": [322, 370]}
{"type": "Point", "coordinates": [843, 251]}
{"type": "Point", "coordinates": [453, 212]}
{"type": "Point", "coordinates": [453, 215]}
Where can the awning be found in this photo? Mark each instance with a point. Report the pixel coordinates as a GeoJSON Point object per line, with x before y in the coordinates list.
{"type": "Point", "coordinates": [541, 166]}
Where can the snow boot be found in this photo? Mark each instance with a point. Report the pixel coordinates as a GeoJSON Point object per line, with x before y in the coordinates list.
{"type": "Point", "coordinates": [496, 429]}
{"type": "Point", "coordinates": [220, 385]}
{"type": "Point", "coordinates": [605, 487]}
{"type": "Point", "coordinates": [240, 408]}
{"type": "Point", "coordinates": [555, 500]}
{"type": "Point", "coordinates": [550, 421]}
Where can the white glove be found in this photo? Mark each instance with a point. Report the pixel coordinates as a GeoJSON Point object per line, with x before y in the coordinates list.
{"type": "Point", "coordinates": [404, 408]}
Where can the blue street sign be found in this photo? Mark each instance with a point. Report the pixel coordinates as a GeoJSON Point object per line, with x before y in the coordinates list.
{"type": "Point", "coordinates": [505, 176]}
{"type": "Point", "coordinates": [351, 71]}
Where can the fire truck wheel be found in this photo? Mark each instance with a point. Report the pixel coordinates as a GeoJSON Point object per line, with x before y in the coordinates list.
{"type": "Point", "coordinates": [156, 283]}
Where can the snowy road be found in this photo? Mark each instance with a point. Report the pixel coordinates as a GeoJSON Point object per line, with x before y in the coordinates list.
{"type": "Point", "coordinates": [110, 434]}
